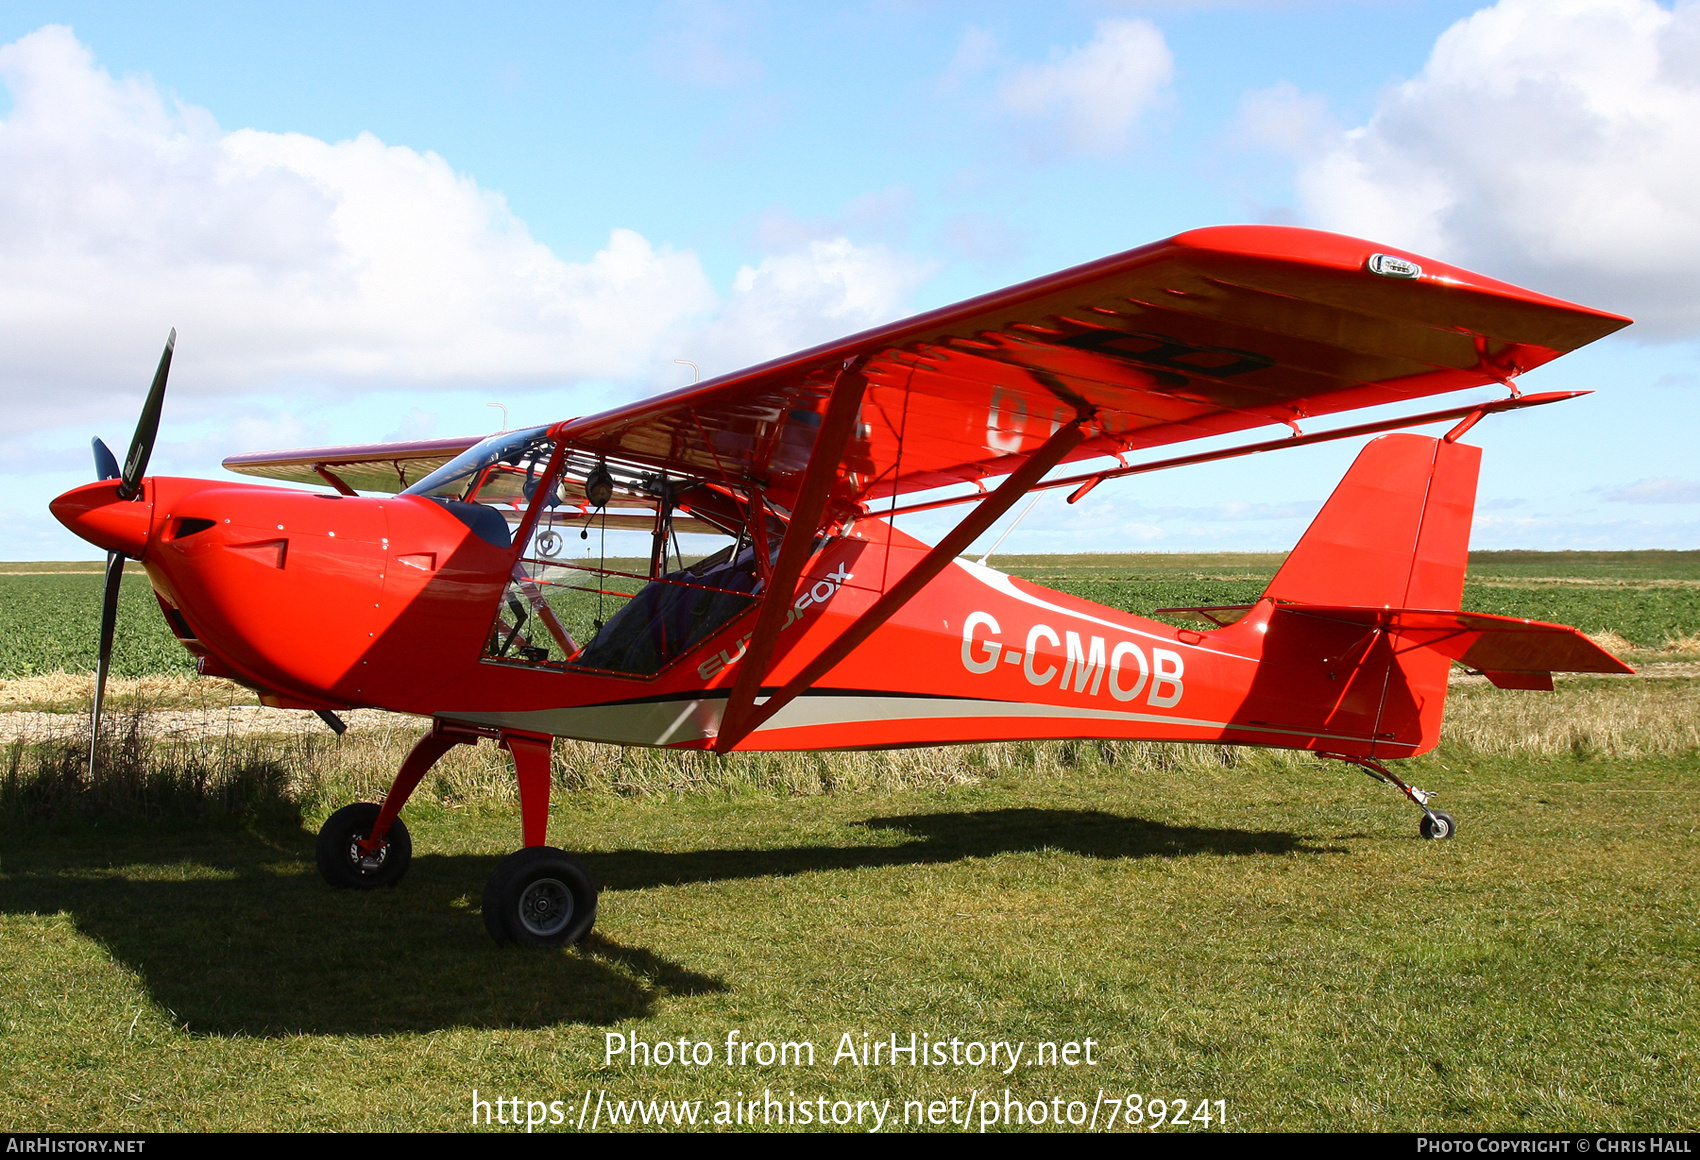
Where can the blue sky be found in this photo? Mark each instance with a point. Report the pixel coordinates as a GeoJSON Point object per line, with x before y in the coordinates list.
{"type": "Point", "coordinates": [371, 221]}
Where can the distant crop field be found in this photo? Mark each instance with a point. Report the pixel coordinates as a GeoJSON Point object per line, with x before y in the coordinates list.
{"type": "Point", "coordinates": [50, 613]}
{"type": "Point", "coordinates": [1648, 598]}
{"type": "Point", "coordinates": [51, 622]}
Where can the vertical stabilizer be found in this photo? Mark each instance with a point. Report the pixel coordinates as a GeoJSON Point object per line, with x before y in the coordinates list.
{"type": "Point", "coordinates": [1395, 533]}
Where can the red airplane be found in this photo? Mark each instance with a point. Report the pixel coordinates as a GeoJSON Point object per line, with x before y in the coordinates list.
{"type": "Point", "coordinates": [478, 587]}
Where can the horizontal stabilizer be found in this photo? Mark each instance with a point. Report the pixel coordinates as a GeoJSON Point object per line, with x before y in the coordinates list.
{"type": "Point", "coordinates": [1507, 649]}
{"type": "Point", "coordinates": [1217, 614]}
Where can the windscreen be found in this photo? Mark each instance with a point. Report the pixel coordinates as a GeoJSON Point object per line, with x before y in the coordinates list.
{"type": "Point", "coordinates": [524, 452]}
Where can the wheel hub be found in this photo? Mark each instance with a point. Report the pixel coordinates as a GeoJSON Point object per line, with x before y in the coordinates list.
{"type": "Point", "coordinates": [364, 860]}
{"type": "Point", "coordinates": [545, 907]}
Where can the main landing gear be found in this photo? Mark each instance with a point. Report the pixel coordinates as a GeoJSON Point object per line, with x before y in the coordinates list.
{"type": "Point", "coordinates": [1435, 824]}
{"type": "Point", "coordinates": [537, 897]}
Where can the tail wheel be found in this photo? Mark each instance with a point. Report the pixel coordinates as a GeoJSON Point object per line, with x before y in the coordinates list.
{"type": "Point", "coordinates": [1437, 825]}
{"type": "Point", "coordinates": [539, 897]}
{"type": "Point", "coordinates": [346, 864]}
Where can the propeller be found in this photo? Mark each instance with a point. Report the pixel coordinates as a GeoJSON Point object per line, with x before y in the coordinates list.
{"type": "Point", "coordinates": [105, 463]}
{"type": "Point", "coordinates": [129, 487]}
{"type": "Point", "coordinates": [147, 427]}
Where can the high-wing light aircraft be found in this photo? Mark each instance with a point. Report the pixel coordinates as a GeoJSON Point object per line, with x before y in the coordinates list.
{"type": "Point", "coordinates": [470, 580]}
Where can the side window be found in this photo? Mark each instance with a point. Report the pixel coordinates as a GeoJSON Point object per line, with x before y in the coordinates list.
{"type": "Point", "coordinates": [631, 585]}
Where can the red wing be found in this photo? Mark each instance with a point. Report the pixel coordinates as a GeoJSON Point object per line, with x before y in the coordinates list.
{"type": "Point", "coordinates": [1213, 331]}
{"type": "Point", "coordinates": [1210, 332]}
{"type": "Point", "coordinates": [387, 467]}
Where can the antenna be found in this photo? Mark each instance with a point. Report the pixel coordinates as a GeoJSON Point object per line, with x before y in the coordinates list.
{"type": "Point", "coordinates": [504, 411]}
{"type": "Point", "coordinates": [696, 374]}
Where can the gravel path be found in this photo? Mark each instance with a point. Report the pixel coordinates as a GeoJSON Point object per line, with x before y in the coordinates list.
{"type": "Point", "coordinates": [237, 720]}
{"type": "Point", "coordinates": [245, 720]}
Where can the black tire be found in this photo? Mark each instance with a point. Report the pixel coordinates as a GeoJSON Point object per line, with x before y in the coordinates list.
{"type": "Point", "coordinates": [539, 897]}
{"type": "Point", "coordinates": [1437, 826]}
{"type": "Point", "coordinates": [345, 866]}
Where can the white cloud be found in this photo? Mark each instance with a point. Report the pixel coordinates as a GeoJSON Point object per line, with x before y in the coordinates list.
{"type": "Point", "coordinates": [814, 292]}
{"type": "Point", "coordinates": [1554, 143]}
{"type": "Point", "coordinates": [1490, 533]}
{"type": "Point", "coordinates": [1662, 490]}
{"type": "Point", "coordinates": [1094, 95]}
{"type": "Point", "coordinates": [982, 237]}
{"type": "Point", "coordinates": [977, 52]}
{"type": "Point", "coordinates": [282, 258]}
{"type": "Point", "coordinates": [1287, 120]}
{"type": "Point", "coordinates": [706, 43]}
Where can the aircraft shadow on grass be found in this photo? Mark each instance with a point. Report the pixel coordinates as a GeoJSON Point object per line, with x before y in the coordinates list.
{"type": "Point", "coordinates": [943, 837]}
{"type": "Point", "coordinates": [248, 945]}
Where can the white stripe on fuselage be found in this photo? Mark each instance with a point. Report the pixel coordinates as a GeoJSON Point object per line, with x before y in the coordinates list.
{"type": "Point", "coordinates": [674, 722]}
{"type": "Point", "coordinates": [1001, 582]}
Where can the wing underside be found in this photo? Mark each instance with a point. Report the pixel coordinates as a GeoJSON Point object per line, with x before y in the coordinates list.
{"type": "Point", "coordinates": [382, 467]}
{"type": "Point", "coordinates": [1207, 333]}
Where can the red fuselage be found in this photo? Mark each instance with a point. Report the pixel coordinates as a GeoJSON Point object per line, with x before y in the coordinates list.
{"type": "Point", "coordinates": [325, 601]}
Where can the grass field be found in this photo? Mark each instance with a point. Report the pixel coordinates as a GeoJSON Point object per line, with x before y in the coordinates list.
{"type": "Point", "coordinates": [1262, 929]}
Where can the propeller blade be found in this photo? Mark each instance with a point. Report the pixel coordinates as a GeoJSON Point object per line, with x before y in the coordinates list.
{"type": "Point", "coordinates": [108, 622]}
{"type": "Point", "coordinates": [105, 463]}
{"type": "Point", "coordinates": [147, 427]}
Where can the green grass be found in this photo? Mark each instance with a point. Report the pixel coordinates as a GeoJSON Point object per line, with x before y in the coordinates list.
{"type": "Point", "coordinates": [1271, 935]}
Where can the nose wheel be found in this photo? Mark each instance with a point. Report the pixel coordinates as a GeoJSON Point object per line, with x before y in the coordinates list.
{"type": "Point", "coordinates": [539, 897]}
{"type": "Point", "coordinates": [348, 861]}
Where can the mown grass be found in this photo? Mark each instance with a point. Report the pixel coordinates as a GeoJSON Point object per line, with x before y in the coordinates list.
{"type": "Point", "coordinates": [1260, 928]}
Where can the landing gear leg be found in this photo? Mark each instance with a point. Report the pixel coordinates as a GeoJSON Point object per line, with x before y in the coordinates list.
{"type": "Point", "coordinates": [540, 896]}
{"type": "Point", "coordinates": [1435, 824]}
{"type": "Point", "coordinates": [364, 845]}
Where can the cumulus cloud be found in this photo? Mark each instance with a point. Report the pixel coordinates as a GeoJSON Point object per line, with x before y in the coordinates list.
{"type": "Point", "coordinates": [1286, 120]}
{"type": "Point", "coordinates": [815, 292]}
{"type": "Point", "coordinates": [1093, 96]}
{"type": "Point", "coordinates": [1550, 142]}
{"type": "Point", "coordinates": [281, 258]}
{"type": "Point", "coordinates": [1570, 533]}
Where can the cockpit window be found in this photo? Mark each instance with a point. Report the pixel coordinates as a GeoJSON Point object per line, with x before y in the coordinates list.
{"type": "Point", "coordinates": [522, 455]}
{"type": "Point", "coordinates": [674, 614]}
{"type": "Point", "coordinates": [633, 585]}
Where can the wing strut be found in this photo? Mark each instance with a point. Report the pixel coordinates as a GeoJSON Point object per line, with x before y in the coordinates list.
{"type": "Point", "coordinates": [1065, 439]}
{"type": "Point", "coordinates": [795, 549]}
{"type": "Point", "coordinates": [1471, 414]}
